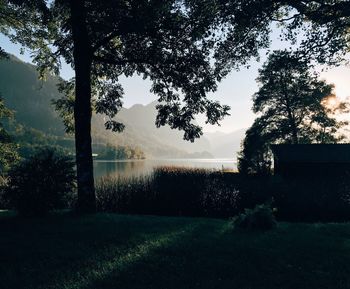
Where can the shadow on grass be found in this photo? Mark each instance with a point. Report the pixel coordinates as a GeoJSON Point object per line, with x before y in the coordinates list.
{"type": "Point", "coordinates": [111, 251]}
{"type": "Point", "coordinates": [210, 256]}
{"type": "Point", "coordinates": [48, 253]}
{"type": "Point", "coordinates": [103, 273]}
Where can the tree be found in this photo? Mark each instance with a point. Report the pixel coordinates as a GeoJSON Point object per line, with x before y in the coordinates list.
{"type": "Point", "coordinates": [255, 156]}
{"type": "Point", "coordinates": [165, 41]}
{"type": "Point", "coordinates": [292, 104]}
{"type": "Point", "coordinates": [319, 28]}
{"type": "Point", "coordinates": [8, 149]}
{"type": "Point", "coordinates": [324, 25]}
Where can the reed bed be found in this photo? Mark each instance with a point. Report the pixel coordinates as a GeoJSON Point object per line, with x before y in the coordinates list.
{"type": "Point", "coordinates": [174, 191]}
{"type": "Point", "coordinates": [179, 191]}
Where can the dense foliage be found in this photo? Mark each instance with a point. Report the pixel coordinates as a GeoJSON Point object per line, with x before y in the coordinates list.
{"type": "Point", "coordinates": [319, 28]}
{"type": "Point", "coordinates": [8, 149]}
{"type": "Point", "coordinates": [110, 152]}
{"type": "Point", "coordinates": [260, 217]}
{"type": "Point", "coordinates": [29, 140]}
{"type": "Point", "coordinates": [41, 183]}
{"type": "Point", "coordinates": [292, 107]}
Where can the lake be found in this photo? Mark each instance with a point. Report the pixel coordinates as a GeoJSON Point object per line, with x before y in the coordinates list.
{"type": "Point", "coordinates": [130, 168]}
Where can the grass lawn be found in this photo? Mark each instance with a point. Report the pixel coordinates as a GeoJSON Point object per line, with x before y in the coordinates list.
{"type": "Point", "coordinates": [114, 251]}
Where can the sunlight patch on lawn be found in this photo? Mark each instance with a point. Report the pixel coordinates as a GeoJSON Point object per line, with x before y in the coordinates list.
{"type": "Point", "coordinates": [100, 270]}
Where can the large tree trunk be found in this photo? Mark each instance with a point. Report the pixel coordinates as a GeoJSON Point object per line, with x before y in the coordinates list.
{"type": "Point", "coordinates": [82, 109]}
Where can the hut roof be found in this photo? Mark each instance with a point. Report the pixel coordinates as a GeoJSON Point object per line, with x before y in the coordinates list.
{"type": "Point", "coordinates": [312, 153]}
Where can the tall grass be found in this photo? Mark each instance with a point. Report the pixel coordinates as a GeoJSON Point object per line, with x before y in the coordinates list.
{"type": "Point", "coordinates": [176, 191]}
{"type": "Point", "coordinates": [131, 195]}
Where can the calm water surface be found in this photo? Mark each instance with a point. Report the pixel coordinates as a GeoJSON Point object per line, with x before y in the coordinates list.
{"type": "Point", "coordinates": [129, 168]}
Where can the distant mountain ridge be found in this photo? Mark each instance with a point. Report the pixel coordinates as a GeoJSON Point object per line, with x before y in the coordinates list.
{"type": "Point", "coordinates": [30, 97]}
{"type": "Point", "coordinates": [31, 100]}
{"type": "Point", "coordinates": [226, 145]}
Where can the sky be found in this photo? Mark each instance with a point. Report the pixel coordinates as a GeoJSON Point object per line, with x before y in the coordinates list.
{"type": "Point", "coordinates": [235, 90]}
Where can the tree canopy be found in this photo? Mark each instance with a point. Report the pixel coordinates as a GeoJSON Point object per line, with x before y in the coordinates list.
{"type": "Point", "coordinates": [292, 106]}
{"type": "Point", "coordinates": [164, 41]}
{"type": "Point", "coordinates": [323, 27]}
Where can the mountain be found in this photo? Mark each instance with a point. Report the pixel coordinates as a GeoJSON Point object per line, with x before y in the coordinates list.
{"type": "Point", "coordinates": [30, 98]}
{"type": "Point", "coordinates": [226, 145]}
{"type": "Point", "coordinates": [156, 142]}
{"type": "Point", "coordinates": [143, 118]}
{"type": "Point", "coordinates": [160, 142]}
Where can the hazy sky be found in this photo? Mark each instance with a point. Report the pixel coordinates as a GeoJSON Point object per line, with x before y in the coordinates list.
{"type": "Point", "coordinates": [236, 90]}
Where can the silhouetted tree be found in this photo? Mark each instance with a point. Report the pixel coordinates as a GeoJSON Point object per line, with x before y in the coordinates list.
{"type": "Point", "coordinates": [255, 156]}
{"type": "Point", "coordinates": [166, 41]}
{"type": "Point", "coordinates": [322, 26]}
{"type": "Point", "coordinates": [292, 105]}
{"type": "Point", "coordinates": [319, 28]}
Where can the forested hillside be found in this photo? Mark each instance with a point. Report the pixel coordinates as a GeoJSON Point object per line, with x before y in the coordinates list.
{"type": "Point", "coordinates": [29, 97]}
{"type": "Point", "coordinates": [37, 121]}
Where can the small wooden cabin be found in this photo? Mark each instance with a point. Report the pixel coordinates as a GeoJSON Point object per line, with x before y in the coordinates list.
{"type": "Point", "coordinates": [311, 159]}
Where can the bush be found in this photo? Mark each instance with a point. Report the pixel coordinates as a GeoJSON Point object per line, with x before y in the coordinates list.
{"type": "Point", "coordinates": [259, 218]}
{"type": "Point", "coordinates": [43, 182]}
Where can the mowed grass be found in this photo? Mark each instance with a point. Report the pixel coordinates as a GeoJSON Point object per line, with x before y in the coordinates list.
{"type": "Point", "coordinates": [115, 251]}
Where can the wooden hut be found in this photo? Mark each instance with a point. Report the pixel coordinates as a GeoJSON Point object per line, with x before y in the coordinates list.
{"type": "Point", "coordinates": [311, 159]}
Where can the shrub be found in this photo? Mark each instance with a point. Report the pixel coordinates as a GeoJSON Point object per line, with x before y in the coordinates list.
{"type": "Point", "coordinates": [259, 218]}
{"type": "Point", "coordinates": [43, 182]}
